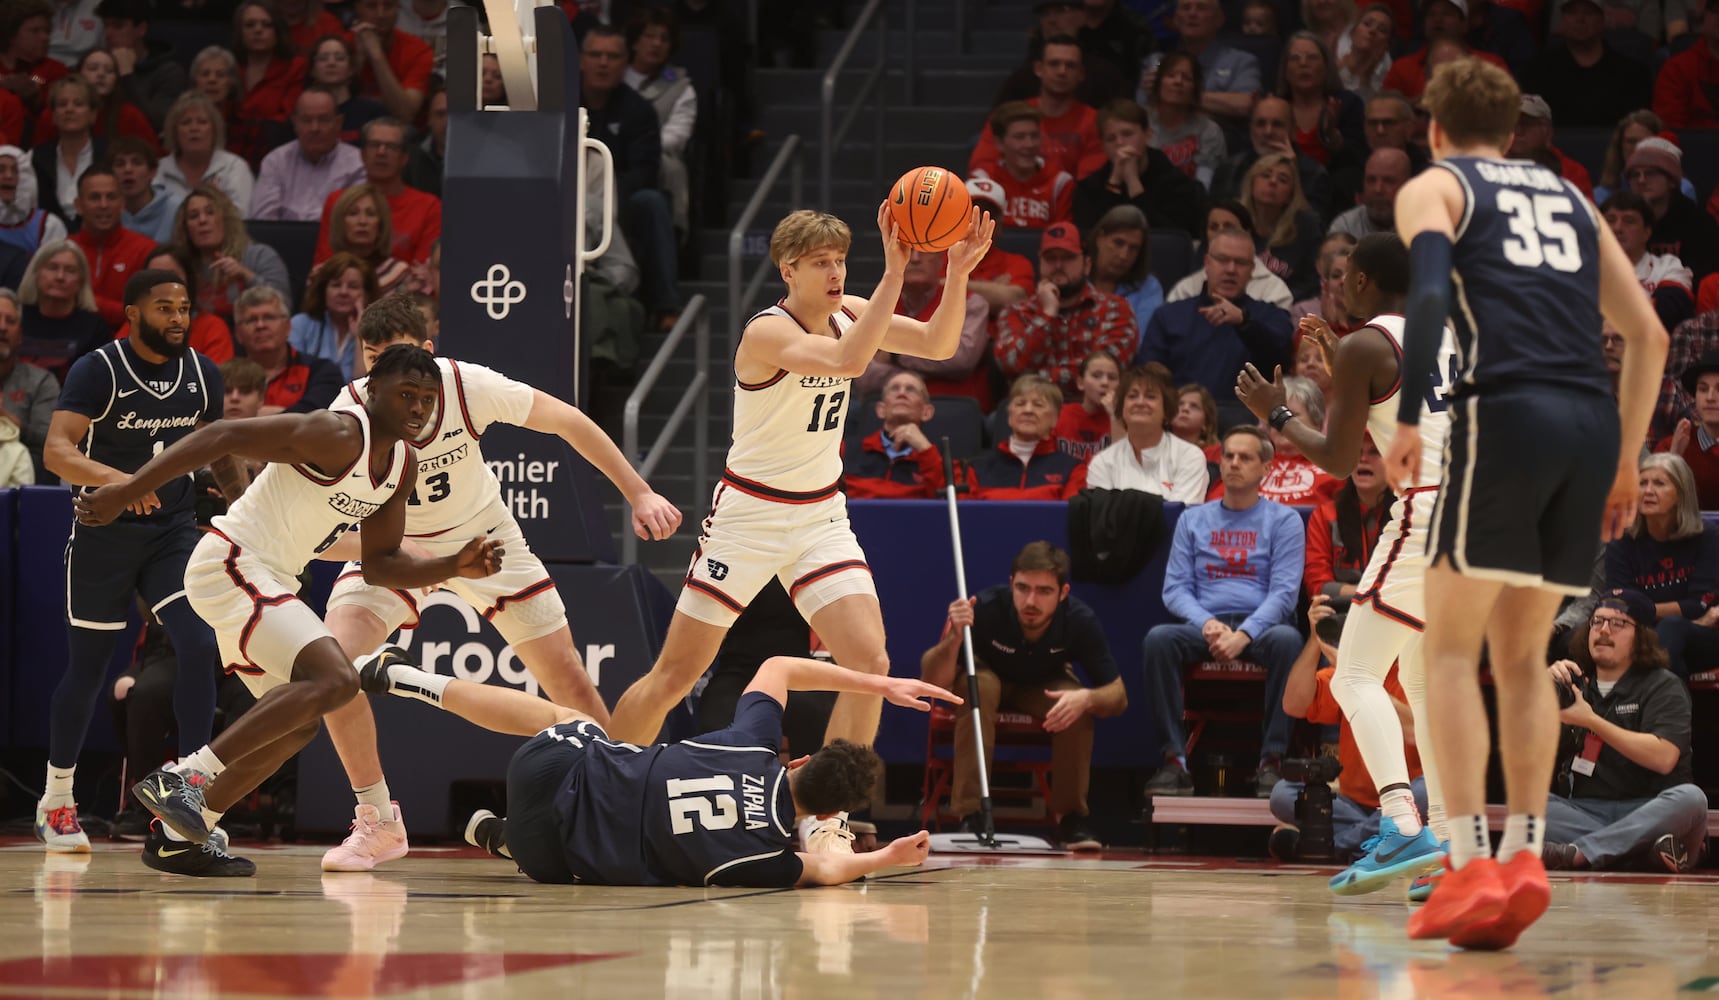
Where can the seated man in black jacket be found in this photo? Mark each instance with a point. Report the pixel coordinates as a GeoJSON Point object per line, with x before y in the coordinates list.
{"type": "Point", "coordinates": [1623, 789]}
{"type": "Point", "coordinates": [1137, 175]}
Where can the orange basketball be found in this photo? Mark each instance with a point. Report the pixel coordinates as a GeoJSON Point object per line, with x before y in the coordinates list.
{"type": "Point", "coordinates": [930, 207]}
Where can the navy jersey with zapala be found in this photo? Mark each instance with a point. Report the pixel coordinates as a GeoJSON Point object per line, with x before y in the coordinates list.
{"type": "Point", "coordinates": [713, 810]}
{"type": "Point", "coordinates": [1525, 278]}
{"type": "Point", "coordinates": [137, 409]}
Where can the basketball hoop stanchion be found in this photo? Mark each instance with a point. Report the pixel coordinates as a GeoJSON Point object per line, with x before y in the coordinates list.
{"type": "Point", "coordinates": [985, 839]}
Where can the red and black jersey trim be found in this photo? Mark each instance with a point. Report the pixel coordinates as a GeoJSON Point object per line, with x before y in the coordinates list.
{"type": "Point", "coordinates": [761, 491]}
{"type": "Point", "coordinates": [781, 373]}
{"type": "Point", "coordinates": [821, 572]}
{"type": "Point", "coordinates": [259, 604]}
{"type": "Point", "coordinates": [405, 596]}
{"type": "Point", "coordinates": [460, 391]}
{"type": "Point", "coordinates": [1371, 594]}
{"type": "Point", "coordinates": [1397, 349]}
{"type": "Point", "coordinates": [520, 595]}
{"type": "Point", "coordinates": [715, 594]}
{"type": "Point", "coordinates": [316, 476]}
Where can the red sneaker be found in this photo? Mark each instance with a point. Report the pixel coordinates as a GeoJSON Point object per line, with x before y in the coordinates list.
{"type": "Point", "coordinates": [1528, 895]}
{"type": "Point", "coordinates": [1466, 896]}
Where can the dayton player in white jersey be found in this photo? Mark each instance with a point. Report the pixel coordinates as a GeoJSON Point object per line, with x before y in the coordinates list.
{"type": "Point", "coordinates": [777, 511]}
{"type": "Point", "coordinates": [333, 472]}
{"type": "Point", "coordinates": [457, 497]}
{"type": "Point", "coordinates": [1385, 621]}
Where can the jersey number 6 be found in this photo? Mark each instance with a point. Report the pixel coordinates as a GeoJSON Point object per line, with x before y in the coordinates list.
{"type": "Point", "coordinates": [687, 802]}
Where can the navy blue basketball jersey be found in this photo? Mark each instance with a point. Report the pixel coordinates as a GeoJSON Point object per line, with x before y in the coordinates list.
{"type": "Point", "coordinates": [713, 810]}
{"type": "Point", "coordinates": [1525, 278]}
{"type": "Point", "coordinates": [137, 409]}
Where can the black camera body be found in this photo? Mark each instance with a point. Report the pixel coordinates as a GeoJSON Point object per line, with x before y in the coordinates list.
{"type": "Point", "coordinates": [1313, 805]}
{"type": "Point", "coordinates": [1566, 694]}
{"type": "Point", "coordinates": [1311, 770]}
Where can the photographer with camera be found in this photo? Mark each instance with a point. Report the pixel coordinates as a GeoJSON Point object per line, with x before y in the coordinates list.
{"type": "Point", "coordinates": [1354, 810]}
{"type": "Point", "coordinates": [1623, 787]}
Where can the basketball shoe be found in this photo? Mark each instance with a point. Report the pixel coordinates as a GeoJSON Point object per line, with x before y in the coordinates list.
{"type": "Point", "coordinates": [370, 843]}
{"type": "Point", "coordinates": [1468, 896]}
{"type": "Point", "coordinates": [178, 857]}
{"type": "Point", "coordinates": [1388, 856]}
{"type": "Point", "coordinates": [1527, 894]}
{"type": "Point", "coordinates": [1421, 889]}
{"type": "Point", "coordinates": [58, 829]}
{"type": "Point", "coordinates": [176, 798]}
{"type": "Point", "coordinates": [488, 831]}
{"type": "Point", "coordinates": [827, 836]}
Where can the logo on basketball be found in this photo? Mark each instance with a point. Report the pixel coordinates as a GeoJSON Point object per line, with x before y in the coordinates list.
{"type": "Point", "coordinates": [928, 183]}
{"type": "Point", "coordinates": [499, 292]}
{"type": "Point", "coordinates": [718, 571]}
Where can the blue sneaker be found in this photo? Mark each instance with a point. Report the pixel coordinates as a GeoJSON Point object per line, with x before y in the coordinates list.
{"type": "Point", "coordinates": [1421, 888]}
{"type": "Point", "coordinates": [1389, 856]}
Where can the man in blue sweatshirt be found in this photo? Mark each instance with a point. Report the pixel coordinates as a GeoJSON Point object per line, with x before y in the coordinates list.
{"type": "Point", "coordinates": [1233, 578]}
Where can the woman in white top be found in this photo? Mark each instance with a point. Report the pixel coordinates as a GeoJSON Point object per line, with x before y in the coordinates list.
{"type": "Point", "coordinates": [1150, 458]}
{"type": "Point", "coordinates": [195, 135]}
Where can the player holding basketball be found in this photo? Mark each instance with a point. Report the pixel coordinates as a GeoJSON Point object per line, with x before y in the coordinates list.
{"type": "Point", "coordinates": [715, 810]}
{"type": "Point", "coordinates": [778, 510]}
{"type": "Point", "coordinates": [1385, 621]}
{"type": "Point", "coordinates": [459, 498]}
{"type": "Point", "coordinates": [330, 472]}
{"type": "Point", "coordinates": [1518, 259]}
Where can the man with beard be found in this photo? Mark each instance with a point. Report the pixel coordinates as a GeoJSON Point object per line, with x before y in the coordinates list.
{"type": "Point", "coordinates": [1623, 789]}
{"type": "Point", "coordinates": [122, 404]}
{"type": "Point", "coordinates": [1052, 332]}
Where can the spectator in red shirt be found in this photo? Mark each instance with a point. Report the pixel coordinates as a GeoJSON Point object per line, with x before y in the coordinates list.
{"type": "Point", "coordinates": [1697, 441]}
{"type": "Point", "coordinates": [1086, 428]}
{"type": "Point", "coordinates": [1342, 531]}
{"type": "Point", "coordinates": [115, 253]}
{"type": "Point", "coordinates": [1443, 21]}
{"type": "Point", "coordinates": [1002, 278]}
{"type": "Point", "coordinates": [896, 462]}
{"type": "Point", "coordinates": [1037, 193]}
{"type": "Point", "coordinates": [1683, 91]}
{"type": "Point", "coordinates": [1070, 128]}
{"type": "Point", "coordinates": [416, 216]}
{"type": "Point", "coordinates": [963, 373]}
{"type": "Point", "coordinates": [394, 67]}
{"type": "Point", "coordinates": [1534, 133]}
{"type": "Point", "coordinates": [1067, 320]}
{"type": "Point", "coordinates": [209, 335]}
{"type": "Point", "coordinates": [306, 22]}
{"type": "Point", "coordinates": [26, 31]}
{"type": "Point", "coordinates": [1028, 466]}
{"type": "Point", "coordinates": [270, 77]}
{"type": "Point", "coordinates": [111, 114]}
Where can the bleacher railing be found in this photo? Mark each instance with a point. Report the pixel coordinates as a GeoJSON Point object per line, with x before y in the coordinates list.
{"type": "Point", "coordinates": [695, 399]}
{"type": "Point", "coordinates": [740, 298]}
{"type": "Point", "coordinates": [832, 133]}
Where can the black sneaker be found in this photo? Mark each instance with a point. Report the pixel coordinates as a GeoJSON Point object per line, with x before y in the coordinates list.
{"type": "Point", "coordinates": [131, 824]}
{"type": "Point", "coordinates": [1285, 839]}
{"type": "Point", "coordinates": [1171, 779]}
{"type": "Point", "coordinates": [488, 831]}
{"type": "Point", "coordinates": [1564, 857]}
{"type": "Point", "coordinates": [176, 797]}
{"type": "Point", "coordinates": [1671, 854]}
{"type": "Point", "coordinates": [1266, 778]}
{"type": "Point", "coordinates": [180, 857]}
{"type": "Point", "coordinates": [1076, 835]}
{"type": "Point", "coordinates": [373, 676]}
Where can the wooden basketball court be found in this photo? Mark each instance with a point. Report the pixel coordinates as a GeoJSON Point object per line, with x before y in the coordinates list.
{"type": "Point", "coordinates": [452, 923]}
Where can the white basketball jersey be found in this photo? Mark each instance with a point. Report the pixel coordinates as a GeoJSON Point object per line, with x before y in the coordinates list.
{"type": "Point", "coordinates": [1435, 416]}
{"type": "Point", "coordinates": [292, 512]}
{"type": "Point", "coordinates": [788, 428]}
{"type": "Point", "coordinates": [455, 485]}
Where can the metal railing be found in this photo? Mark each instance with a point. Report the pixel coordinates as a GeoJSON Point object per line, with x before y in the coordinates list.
{"type": "Point", "coordinates": [695, 317]}
{"type": "Point", "coordinates": [740, 298]}
{"type": "Point", "coordinates": [833, 134]}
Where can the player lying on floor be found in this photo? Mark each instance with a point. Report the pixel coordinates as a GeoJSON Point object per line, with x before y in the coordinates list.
{"type": "Point", "coordinates": [718, 809]}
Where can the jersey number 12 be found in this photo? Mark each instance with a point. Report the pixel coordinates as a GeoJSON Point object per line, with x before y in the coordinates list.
{"type": "Point", "coordinates": [827, 417]}
{"type": "Point", "coordinates": [688, 802]}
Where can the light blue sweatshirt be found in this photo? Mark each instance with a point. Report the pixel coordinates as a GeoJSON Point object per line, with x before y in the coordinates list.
{"type": "Point", "coordinates": [1232, 562]}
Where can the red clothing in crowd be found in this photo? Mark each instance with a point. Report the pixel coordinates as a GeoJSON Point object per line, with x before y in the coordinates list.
{"type": "Point", "coordinates": [13, 115]}
{"type": "Point", "coordinates": [1291, 481]}
{"type": "Point", "coordinates": [112, 263]}
{"type": "Point", "coordinates": [409, 58]}
{"type": "Point", "coordinates": [1026, 340]}
{"type": "Point", "coordinates": [132, 122]}
{"type": "Point", "coordinates": [208, 336]}
{"type": "Point", "coordinates": [1683, 90]}
{"type": "Point", "coordinates": [1409, 74]}
{"type": "Point", "coordinates": [417, 219]}
{"type": "Point", "coordinates": [1038, 201]}
{"type": "Point", "coordinates": [1326, 555]}
{"type": "Point", "coordinates": [1355, 783]}
{"type": "Point", "coordinates": [1070, 141]}
{"type": "Point", "coordinates": [303, 36]}
{"type": "Point", "coordinates": [976, 383]}
{"type": "Point", "coordinates": [1048, 474]}
{"type": "Point", "coordinates": [43, 72]}
{"type": "Point", "coordinates": [1080, 433]}
{"type": "Point", "coordinates": [276, 94]}
{"type": "Point", "coordinates": [1702, 454]}
{"type": "Point", "coordinates": [1009, 268]}
{"type": "Point", "coordinates": [868, 472]}
{"type": "Point", "coordinates": [1575, 173]}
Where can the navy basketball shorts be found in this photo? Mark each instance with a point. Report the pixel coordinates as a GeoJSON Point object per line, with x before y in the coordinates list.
{"type": "Point", "coordinates": [107, 567]}
{"type": "Point", "coordinates": [1526, 475]}
{"type": "Point", "coordinates": [540, 771]}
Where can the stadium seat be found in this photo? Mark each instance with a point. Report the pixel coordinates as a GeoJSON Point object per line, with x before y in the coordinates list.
{"type": "Point", "coordinates": [295, 242]}
{"type": "Point", "coordinates": [1023, 749]}
{"type": "Point", "coordinates": [1022, 241]}
{"type": "Point", "coordinates": [956, 418]}
{"type": "Point", "coordinates": [1230, 694]}
{"type": "Point", "coordinates": [1170, 256]}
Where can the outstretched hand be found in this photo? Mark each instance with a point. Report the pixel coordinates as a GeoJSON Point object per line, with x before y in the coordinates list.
{"type": "Point", "coordinates": [975, 244]}
{"type": "Point", "coordinates": [654, 518]}
{"type": "Point", "coordinates": [895, 249]}
{"type": "Point", "coordinates": [479, 558]}
{"type": "Point", "coordinates": [909, 692]}
{"type": "Point", "coordinates": [100, 505]}
{"type": "Point", "coordinates": [1259, 394]}
{"type": "Point", "coordinates": [1322, 334]}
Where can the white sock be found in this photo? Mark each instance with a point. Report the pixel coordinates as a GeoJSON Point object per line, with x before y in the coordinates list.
{"type": "Point", "coordinates": [1399, 805]}
{"type": "Point", "coordinates": [204, 760]}
{"type": "Point", "coordinates": [1436, 819]}
{"type": "Point", "coordinates": [172, 834]}
{"type": "Point", "coordinates": [408, 681]}
{"type": "Point", "coordinates": [1522, 832]}
{"type": "Point", "coordinates": [211, 818]}
{"type": "Point", "coordinates": [59, 783]}
{"type": "Point", "coordinates": [377, 795]}
{"type": "Point", "coordinates": [1468, 840]}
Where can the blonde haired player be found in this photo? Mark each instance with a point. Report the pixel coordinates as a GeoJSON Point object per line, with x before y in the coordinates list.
{"type": "Point", "coordinates": [457, 497]}
{"type": "Point", "coordinates": [777, 510]}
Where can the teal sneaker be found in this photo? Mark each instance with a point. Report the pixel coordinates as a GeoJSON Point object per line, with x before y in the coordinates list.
{"type": "Point", "coordinates": [1389, 856]}
{"type": "Point", "coordinates": [1421, 889]}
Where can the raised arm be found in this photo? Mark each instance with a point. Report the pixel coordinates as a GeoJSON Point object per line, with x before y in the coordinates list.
{"type": "Point", "coordinates": [653, 516]}
{"type": "Point", "coordinates": [781, 674]}
{"type": "Point", "coordinates": [1359, 356]}
{"type": "Point", "coordinates": [938, 338]}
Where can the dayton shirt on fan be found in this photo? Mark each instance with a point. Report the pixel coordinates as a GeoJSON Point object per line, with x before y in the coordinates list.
{"type": "Point", "coordinates": [1236, 562]}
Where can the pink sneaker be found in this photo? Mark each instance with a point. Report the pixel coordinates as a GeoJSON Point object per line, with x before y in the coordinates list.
{"type": "Point", "coordinates": [370, 843]}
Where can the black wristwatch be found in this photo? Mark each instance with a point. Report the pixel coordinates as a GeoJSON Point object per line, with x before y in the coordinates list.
{"type": "Point", "coordinates": [1279, 417]}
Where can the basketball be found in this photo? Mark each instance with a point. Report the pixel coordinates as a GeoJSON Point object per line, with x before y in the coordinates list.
{"type": "Point", "coordinates": [930, 207]}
